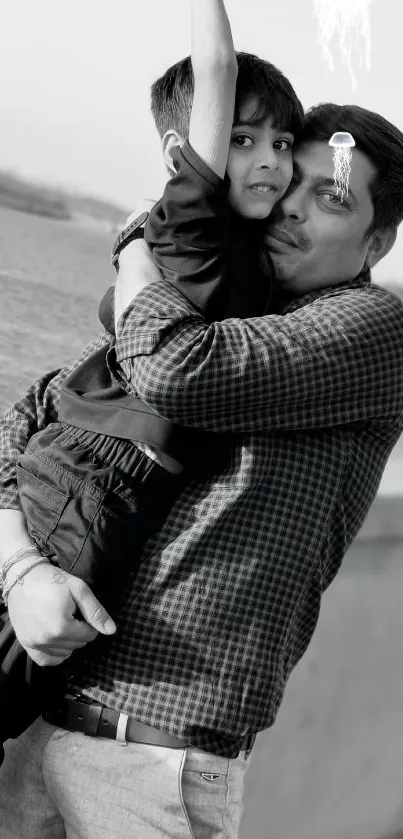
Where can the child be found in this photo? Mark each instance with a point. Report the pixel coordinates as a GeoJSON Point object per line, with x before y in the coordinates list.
{"type": "Point", "coordinates": [94, 484]}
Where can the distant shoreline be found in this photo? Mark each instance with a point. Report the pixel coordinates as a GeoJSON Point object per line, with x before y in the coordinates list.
{"type": "Point", "coordinates": [90, 213]}
{"type": "Point", "coordinates": [22, 196]}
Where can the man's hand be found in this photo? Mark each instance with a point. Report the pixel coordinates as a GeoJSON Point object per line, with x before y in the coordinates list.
{"type": "Point", "coordinates": [136, 269]}
{"type": "Point", "coordinates": [42, 613]}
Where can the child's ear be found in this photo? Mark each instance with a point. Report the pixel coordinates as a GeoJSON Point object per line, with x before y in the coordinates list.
{"type": "Point", "coordinates": [170, 141]}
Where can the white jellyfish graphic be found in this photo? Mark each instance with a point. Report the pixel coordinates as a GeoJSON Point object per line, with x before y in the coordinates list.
{"type": "Point", "coordinates": [350, 22]}
{"type": "Point", "coordinates": [342, 142]}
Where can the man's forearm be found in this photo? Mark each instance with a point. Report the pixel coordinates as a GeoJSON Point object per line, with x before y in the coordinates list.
{"type": "Point", "coordinates": [14, 535]}
{"type": "Point", "coordinates": [329, 362]}
{"type": "Point", "coordinates": [37, 408]}
{"type": "Point", "coordinates": [18, 554]}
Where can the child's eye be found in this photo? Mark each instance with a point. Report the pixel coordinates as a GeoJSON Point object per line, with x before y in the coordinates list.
{"type": "Point", "coordinates": [287, 144]}
{"type": "Point", "coordinates": [242, 140]}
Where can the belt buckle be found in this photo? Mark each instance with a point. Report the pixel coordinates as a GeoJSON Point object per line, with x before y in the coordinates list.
{"type": "Point", "coordinates": [94, 714]}
{"type": "Point", "coordinates": [83, 714]}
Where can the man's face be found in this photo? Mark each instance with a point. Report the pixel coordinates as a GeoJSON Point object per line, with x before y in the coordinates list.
{"type": "Point", "coordinates": [259, 164]}
{"type": "Point", "coordinates": [328, 234]}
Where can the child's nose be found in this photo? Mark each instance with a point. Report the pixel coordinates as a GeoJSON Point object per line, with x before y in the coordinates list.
{"type": "Point", "coordinates": [267, 159]}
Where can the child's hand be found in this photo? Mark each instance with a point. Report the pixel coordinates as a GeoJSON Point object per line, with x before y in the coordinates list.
{"type": "Point", "coordinates": [145, 205]}
{"type": "Point", "coordinates": [137, 270]}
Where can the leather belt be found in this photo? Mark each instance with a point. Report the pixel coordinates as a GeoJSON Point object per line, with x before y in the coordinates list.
{"type": "Point", "coordinates": [92, 718]}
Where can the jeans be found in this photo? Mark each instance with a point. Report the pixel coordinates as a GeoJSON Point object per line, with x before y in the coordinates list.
{"type": "Point", "coordinates": [56, 784]}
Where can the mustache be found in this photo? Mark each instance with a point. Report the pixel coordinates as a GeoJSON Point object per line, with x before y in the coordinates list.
{"type": "Point", "coordinates": [284, 227]}
{"type": "Point", "coordinates": [278, 222]}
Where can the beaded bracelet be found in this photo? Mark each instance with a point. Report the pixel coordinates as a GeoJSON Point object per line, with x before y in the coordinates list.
{"type": "Point", "coordinates": [20, 577]}
{"type": "Point", "coordinates": [18, 556]}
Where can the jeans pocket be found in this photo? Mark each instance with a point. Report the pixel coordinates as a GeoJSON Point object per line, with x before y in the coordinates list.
{"type": "Point", "coordinates": [81, 515]}
{"type": "Point", "coordinates": [204, 790]}
{"type": "Point", "coordinates": [212, 794]}
{"type": "Point", "coordinates": [204, 800]}
{"type": "Point", "coordinates": [59, 510]}
{"type": "Point", "coordinates": [42, 505]}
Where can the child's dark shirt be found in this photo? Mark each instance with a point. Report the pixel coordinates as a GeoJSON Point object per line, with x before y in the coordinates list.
{"type": "Point", "coordinates": [94, 485]}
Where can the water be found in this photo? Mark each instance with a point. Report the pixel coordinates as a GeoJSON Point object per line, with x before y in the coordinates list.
{"type": "Point", "coordinates": [52, 277]}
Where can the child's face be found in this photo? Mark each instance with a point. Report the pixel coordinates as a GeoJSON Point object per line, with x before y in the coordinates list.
{"type": "Point", "coordinates": [259, 164]}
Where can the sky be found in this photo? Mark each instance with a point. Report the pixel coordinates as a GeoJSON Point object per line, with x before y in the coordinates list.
{"type": "Point", "coordinates": [75, 79]}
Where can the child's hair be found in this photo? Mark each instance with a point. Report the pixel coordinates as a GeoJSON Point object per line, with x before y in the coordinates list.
{"type": "Point", "coordinates": [379, 140]}
{"type": "Point", "coordinates": [171, 105]}
{"type": "Point", "coordinates": [172, 95]}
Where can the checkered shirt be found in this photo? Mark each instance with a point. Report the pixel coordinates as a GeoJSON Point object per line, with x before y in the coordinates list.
{"type": "Point", "coordinates": [228, 594]}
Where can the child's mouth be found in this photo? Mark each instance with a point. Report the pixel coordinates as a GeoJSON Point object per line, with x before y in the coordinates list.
{"type": "Point", "coordinates": [263, 189]}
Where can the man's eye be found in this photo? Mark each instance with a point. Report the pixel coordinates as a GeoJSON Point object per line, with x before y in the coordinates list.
{"type": "Point", "coordinates": [336, 198]}
{"type": "Point", "coordinates": [242, 140]}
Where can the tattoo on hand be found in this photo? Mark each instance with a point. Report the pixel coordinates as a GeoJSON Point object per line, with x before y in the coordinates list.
{"type": "Point", "coordinates": [59, 577]}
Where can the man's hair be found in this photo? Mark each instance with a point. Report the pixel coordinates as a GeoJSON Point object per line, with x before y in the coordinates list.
{"type": "Point", "coordinates": [172, 95]}
{"type": "Point", "coordinates": [379, 140]}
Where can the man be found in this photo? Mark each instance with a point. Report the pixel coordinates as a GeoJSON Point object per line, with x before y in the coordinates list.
{"type": "Point", "coordinates": [228, 596]}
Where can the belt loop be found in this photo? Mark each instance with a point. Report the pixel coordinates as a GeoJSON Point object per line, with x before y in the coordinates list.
{"type": "Point", "coordinates": [121, 729]}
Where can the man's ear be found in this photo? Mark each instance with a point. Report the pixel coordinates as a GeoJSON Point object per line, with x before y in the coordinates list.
{"type": "Point", "coordinates": [171, 140]}
{"type": "Point", "coordinates": [381, 242]}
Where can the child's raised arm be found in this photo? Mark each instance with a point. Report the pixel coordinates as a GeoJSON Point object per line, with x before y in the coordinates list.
{"type": "Point", "coordinates": [188, 229]}
{"type": "Point", "coordinates": [215, 72]}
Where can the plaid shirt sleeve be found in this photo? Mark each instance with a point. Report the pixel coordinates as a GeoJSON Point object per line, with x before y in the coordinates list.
{"type": "Point", "coordinates": [37, 408]}
{"type": "Point", "coordinates": [338, 359]}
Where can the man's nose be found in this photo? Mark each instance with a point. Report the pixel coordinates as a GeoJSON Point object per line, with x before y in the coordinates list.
{"type": "Point", "coordinates": [293, 205]}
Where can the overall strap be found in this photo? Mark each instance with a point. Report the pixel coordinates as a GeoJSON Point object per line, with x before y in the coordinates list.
{"type": "Point", "coordinates": [91, 399]}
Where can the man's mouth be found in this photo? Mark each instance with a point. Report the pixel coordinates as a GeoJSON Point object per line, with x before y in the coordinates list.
{"type": "Point", "coordinates": [280, 237]}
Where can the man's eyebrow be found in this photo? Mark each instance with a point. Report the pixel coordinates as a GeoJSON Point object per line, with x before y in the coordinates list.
{"type": "Point", "coordinates": [320, 180]}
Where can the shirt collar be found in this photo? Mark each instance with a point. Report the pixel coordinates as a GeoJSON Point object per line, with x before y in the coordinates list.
{"type": "Point", "coordinates": [292, 303]}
